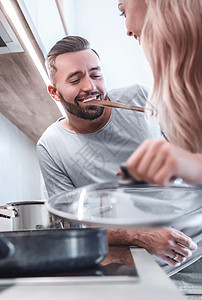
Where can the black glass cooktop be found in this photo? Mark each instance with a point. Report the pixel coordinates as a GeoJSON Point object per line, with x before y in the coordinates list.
{"type": "Point", "coordinates": [113, 270]}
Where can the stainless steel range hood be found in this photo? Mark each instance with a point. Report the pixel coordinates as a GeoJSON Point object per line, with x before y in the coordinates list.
{"type": "Point", "coordinates": [8, 41]}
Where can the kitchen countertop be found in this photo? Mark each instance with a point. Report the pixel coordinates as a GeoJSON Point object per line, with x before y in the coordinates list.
{"type": "Point", "coordinates": [152, 282]}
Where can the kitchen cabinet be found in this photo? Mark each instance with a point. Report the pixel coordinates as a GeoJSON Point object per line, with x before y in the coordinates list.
{"type": "Point", "coordinates": [24, 99]}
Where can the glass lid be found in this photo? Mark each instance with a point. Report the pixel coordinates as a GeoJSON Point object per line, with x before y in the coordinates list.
{"type": "Point", "coordinates": [113, 205]}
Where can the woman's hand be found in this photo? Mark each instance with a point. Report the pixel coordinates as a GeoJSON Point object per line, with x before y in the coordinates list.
{"type": "Point", "coordinates": [160, 162]}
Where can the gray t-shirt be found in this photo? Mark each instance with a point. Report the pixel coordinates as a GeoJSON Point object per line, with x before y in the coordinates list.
{"type": "Point", "coordinates": [70, 160]}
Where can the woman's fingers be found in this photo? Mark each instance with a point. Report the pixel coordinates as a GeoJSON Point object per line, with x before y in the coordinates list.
{"type": "Point", "coordinates": [160, 162]}
{"type": "Point", "coordinates": [155, 161]}
{"type": "Point", "coordinates": [135, 159]}
{"type": "Point", "coordinates": [139, 162]}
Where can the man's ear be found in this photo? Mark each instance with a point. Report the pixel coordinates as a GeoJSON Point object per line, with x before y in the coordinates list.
{"type": "Point", "coordinates": [53, 92]}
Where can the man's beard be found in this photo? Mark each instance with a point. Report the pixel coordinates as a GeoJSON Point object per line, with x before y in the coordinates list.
{"type": "Point", "coordinates": [91, 113]}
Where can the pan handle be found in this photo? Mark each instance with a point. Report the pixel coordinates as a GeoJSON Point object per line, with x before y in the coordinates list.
{"type": "Point", "coordinates": [6, 248]}
{"type": "Point", "coordinates": [126, 178]}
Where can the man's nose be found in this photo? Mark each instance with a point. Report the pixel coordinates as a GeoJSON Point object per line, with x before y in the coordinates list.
{"type": "Point", "coordinates": [88, 84]}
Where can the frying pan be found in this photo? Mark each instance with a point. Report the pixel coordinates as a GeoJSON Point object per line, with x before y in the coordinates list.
{"type": "Point", "coordinates": [43, 252]}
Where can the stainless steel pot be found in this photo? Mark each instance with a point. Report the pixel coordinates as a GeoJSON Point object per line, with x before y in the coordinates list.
{"type": "Point", "coordinates": [27, 215]}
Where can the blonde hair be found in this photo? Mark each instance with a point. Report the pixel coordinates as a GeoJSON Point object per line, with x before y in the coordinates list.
{"type": "Point", "coordinates": [172, 41]}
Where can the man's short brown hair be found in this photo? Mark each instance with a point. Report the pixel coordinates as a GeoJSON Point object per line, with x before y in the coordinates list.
{"type": "Point", "coordinates": [66, 45]}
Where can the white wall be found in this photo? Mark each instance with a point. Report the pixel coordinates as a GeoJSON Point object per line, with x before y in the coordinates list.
{"type": "Point", "coordinates": [20, 177]}
{"type": "Point", "coordinates": [46, 19]}
{"type": "Point", "coordinates": [99, 21]}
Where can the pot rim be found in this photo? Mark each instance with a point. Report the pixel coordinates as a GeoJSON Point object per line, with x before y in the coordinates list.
{"type": "Point", "coordinates": [28, 202]}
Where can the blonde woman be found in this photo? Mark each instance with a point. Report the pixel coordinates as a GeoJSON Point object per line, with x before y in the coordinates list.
{"type": "Point", "coordinates": [170, 32]}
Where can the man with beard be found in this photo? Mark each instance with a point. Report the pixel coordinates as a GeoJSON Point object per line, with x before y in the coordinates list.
{"type": "Point", "coordinates": [89, 144]}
